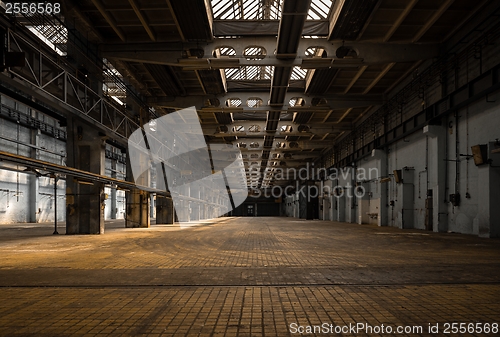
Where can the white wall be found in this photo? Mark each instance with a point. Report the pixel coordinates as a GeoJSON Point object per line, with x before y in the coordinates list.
{"type": "Point", "coordinates": [23, 196]}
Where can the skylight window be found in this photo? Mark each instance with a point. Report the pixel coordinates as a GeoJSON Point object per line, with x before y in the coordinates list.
{"type": "Point", "coordinates": [224, 51]}
{"type": "Point", "coordinates": [251, 73]}
{"type": "Point", "coordinates": [319, 9]}
{"type": "Point", "coordinates": [298, 73]}
{"type": "Point", "coordinates": [54, 36]}
{"type": "Point", "coordinates": [111, 83]}
{"type": "Point", "coordinates": [263, 10]}
{"type": "Point", "coordinates": [246, 9]}
{"type": "Point", "coordinates": [314, 52]}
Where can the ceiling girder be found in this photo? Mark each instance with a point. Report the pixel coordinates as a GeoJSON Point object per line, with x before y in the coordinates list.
{"type": "Point", "coordinates": [292, 20]}
{"type": "Point", "coordinates": [291, 26]}
{"type": "Point", "coordinates": [332, 102]}
{"type": "Point", "coordinates": [175, 54]}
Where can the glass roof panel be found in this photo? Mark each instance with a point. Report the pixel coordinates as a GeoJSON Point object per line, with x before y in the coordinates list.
{"type": "Point", "coordinates": [246, 9]}
{"type": "Point", "coordinates": [263, 10]}
{"type": "Point", "coordinates": [319, 10]}
{"type": "Point", "coordinates": [252, 73]}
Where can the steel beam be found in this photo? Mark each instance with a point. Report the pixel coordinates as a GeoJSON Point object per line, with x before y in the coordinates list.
{"type": "Point", "coordinates": [333, 102]}
{"type": "Point", "coordinates": [175, 54]}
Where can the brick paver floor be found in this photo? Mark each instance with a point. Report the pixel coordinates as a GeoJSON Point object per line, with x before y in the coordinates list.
{"type": "Point", "coordinates": [247, 277]}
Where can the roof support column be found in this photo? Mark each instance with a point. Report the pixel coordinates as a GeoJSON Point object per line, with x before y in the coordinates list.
{"type": "Point", "coordinates": [380, 200]}
{"type": "Point", "coordinates": [488, 180]}
{"type": "Point", "coordinates": [437, 167]}
{"type": "Point", "coordinates": [85, 199]}
{"type": "Point", "coordinates": [137, 213]}
{"type": "Point", "coordinates": [164, 210]}
{"type": "Point", "coordinates": [164, 205]}
{"type": "Point", "coordinates": [34, 184]}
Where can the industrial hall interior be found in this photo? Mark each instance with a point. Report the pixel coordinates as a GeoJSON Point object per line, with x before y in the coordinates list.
{"type": "Point", "coordinates": [249, 167]}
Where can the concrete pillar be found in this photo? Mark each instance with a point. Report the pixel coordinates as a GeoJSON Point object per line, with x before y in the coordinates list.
{"type": "Point", "coordinates": [383, 204]}
{"type": "Point", "coordinates": [327, 199]}
{"type": "Point", "coordinates": [333, 208]}
{"type": "Point", "coordinates": [152, 210]}
{"type": "Point", "coordinates": [437, 176]}
{"type": "Point", "coordinates": [364, 207]}
{"type": "Point", "coordinates": [341, 208]}
{"type": "Point", "coordinates": [333, 201]}
{"type": "Point", "coordinates": [326, 208]}
{"type": "Point", "coordinates": [408, 196]}
{"type": "Point", "coordinates": [164, 206]}
{"type": "Point", "coordinates": [114, 209]}
{"type": "Point", "coordinates": [195, 206]}
{"type": "Point", "coordinates": [182, 206]}
{"type": "Point", "coordinates": [164, 210]}
{"type": "Point", "coordinates": [84, 199]}
{"type": "Point", "coordinates": [351, 198]}
{"type": "Point", "coordinates": [34, 197]}
{"type": "Point", "coordinates": [320, 203]}
{"type": "Point", "coordinates": [137, 212]}
{"type": "Point", "coordinates": [137, 201]}
{"type": "Point", "coordinates": [487, 220]}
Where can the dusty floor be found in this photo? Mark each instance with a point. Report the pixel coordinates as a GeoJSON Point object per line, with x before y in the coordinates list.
{"type": "Point", "coordinates": [247, 277]}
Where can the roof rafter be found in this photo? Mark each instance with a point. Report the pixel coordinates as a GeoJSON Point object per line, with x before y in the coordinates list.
{"type": "Point", "coordinates": [379, 77]}
{"type": "Point", "coordinates": [109, 19]}
{"type": "Point", "coordinates": [399, 20]}
{"type": "Point", "coordinates": [355, 78]}
{"type": "Point", "coordinates": [432, 20]}
{"type": "Point", "coordinates": [142, 19]}
{"type": "Point", "coordinates": [179, 29]}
